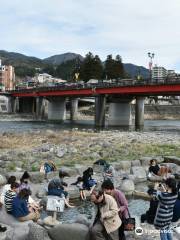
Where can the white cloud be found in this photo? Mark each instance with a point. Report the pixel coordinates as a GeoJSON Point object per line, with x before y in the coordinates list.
{"type": "Point", "coordinates": [129, 28]}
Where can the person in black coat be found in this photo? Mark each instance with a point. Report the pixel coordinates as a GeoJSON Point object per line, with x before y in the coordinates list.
{"type": "Point", "coordinates": [150, 214]}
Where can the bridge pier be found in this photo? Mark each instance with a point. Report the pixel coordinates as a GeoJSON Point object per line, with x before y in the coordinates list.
{"type": "Point", "coordinates": [120, 112]}
{"type": "Point", "coordinates": [73, 109]}
{"type": "Point", "coordinates": [139, 113]}
{"type": "Point", "coordinates": [40, 108]}
{"type": "Point", "coordinates": [100, 109]}
{"type": "Point", "coordinates": [57, 109]}
{"type": "Point", "coordinates": [14, 105]}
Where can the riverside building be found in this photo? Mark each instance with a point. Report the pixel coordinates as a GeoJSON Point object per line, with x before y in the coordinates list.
{"type": "Point", "coordinates": [7, 77]}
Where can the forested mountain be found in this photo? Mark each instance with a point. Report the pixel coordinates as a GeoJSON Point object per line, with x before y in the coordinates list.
{"type": "Point", "coordinates": [62, 58]}
{"type": "Point", "coordinates": [62, 65]}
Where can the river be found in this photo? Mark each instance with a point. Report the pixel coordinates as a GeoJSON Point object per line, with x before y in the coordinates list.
{"type": "Point", "coordinates": [10, 123]}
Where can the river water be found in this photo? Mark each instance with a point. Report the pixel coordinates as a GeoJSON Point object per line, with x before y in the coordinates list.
{"type": "Point", "coordinates": [10, 123]}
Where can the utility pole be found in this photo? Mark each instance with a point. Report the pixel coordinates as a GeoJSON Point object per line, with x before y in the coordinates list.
{"type": "Point", "coordinates": [151, 56]}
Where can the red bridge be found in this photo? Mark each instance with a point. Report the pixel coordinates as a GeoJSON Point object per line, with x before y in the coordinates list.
{"type": "Point", "coordinates": [130, 87]}
{"type": "Point", "coordinates": [119, 95]}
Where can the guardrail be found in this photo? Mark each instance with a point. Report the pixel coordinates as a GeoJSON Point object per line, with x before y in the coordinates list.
{"type": "Point", "coordinates": [119, 83]}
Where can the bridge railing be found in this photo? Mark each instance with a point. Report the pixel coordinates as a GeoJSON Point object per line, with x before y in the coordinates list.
{"type": "Point", "coordinates": [118, 83]}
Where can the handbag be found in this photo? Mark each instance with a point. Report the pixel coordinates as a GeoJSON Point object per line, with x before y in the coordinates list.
{"type": "Point", "coordinates": [129, 223]}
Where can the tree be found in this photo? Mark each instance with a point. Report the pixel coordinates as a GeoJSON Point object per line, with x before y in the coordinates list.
{"type": "Point", "coordinates": [49, 69]}
{"type": "Point", "coordinates": [91, 67]}
{"type": "Point", "coordinates": [113, 67]}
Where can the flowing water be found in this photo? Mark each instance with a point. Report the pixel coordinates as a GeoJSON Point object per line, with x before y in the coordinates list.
{"type": "Point", "coordinates": [18, 123]}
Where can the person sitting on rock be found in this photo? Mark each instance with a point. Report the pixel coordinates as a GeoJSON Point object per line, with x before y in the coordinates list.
{"type": "Point", "coordinates": [88, 182]}
{"type": "Point", "coordinates": [7, 187]}
{"type": "Point", "coordinates": [109, 172]}
{"type": "Point", "coordinates": [24, 181]}
{"type": "Point", "coordinates": [151, 213]}
{"type": "Point", "coordinates": [57, 187]}
{"type": "Point", "coordinates": [157, 170]}
{"type": "Point", "coordinates": [20, 208]}
{"type": "Point", "coordinates": [10, 195]}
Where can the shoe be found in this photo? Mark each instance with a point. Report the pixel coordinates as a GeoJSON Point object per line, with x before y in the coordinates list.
{"type": "Point", "coordinates": [3, 229]}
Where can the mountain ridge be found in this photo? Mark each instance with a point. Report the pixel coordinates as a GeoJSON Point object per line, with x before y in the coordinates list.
{"type": "Point", "coordinates": [21, 60]}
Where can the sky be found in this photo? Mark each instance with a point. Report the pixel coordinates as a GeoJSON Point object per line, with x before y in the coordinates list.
{"type": "Point", "coordinates": [130, 28]}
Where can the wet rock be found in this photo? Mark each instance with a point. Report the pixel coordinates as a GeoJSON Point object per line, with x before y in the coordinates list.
{"type": "Point", "coordinates": [41, 193]}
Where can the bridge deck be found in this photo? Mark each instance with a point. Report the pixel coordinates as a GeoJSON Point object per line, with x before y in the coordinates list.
{"type": "Point", "coordinates": [135, 89]}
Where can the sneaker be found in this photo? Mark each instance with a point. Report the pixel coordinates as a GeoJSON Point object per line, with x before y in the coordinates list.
{"type": "Point", "coordinates": [3, 229]}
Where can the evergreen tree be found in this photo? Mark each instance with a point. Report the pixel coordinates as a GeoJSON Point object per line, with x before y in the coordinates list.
{"type": "Point", "coordinates": [91, 67]}
{"type": "Point", "coordinates": [49, 69]}
{"type": "Point", "coordinates": [113, 67]}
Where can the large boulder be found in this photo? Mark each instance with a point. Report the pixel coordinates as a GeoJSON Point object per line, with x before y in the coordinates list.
{"type": "Point", "coordinates": [20, 229]}
{"type": "Point", "coordinates": [135, 163]}
{"type": "Point", "coordinates": [75, 231]}
{"type": "Point", "coordinates": [127, 186]}
{"type": "Point", "coordinates": [139, 173]}
{"type": "Point", "coordinates": [122, 165]}
{"type": "Point", "coordinates": [145, 160]}
{"type": "Point", "coordinates": [172, 159]}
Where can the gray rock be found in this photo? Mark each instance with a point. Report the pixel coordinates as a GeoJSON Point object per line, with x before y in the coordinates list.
{"type": "Point", "coordinates": [41, 193]}
{"type": "Point", "coordinates": [61, 151]}
{"type": "Point", "coordinates": [36, 177]}
{"type": "Point", "coordinates": [127, 186]}
{"type": "Point", "coordinates": [135, 163]}
{"type": "Point", "coordinates": [145, 160]}
{"type": "Point", "coordinates": [70, 170]}
{"type": "Point", "coordinates": [172, 159]}
{"type": "Point", "coordinates": [3, 180]}
{"type": "Point", "coordinates": [74, 231]}
{"type": "Point", "coordinates": [122, 165]}
{"type": "Point", "coordinates": [139, 173]}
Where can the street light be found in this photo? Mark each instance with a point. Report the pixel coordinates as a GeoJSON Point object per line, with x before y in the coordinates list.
{"type": "Point", "coordinates": [151, 56]}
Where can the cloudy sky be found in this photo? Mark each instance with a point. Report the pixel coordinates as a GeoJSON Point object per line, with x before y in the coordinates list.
{"type": "Point", "coordinates": [131, 28]}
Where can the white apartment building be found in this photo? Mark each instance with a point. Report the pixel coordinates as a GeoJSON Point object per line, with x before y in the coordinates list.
{"type": "Point", "coordinates": [43, 77]}
{"type": "Point", "coordinates": [159, 73]}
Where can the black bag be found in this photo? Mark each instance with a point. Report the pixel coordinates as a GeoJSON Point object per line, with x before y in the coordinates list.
{"type": "Point", "coordinates": [129, 223]}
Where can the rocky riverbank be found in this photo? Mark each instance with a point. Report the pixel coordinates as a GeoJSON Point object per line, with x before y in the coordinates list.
{"type": "Point", "coordinates": [74, 150]}
{"type": "Point", "coordinates": [20, 151]}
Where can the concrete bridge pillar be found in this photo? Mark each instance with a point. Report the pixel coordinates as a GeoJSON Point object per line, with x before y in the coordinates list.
{"type": "Point", "coordinates": [100, 110]}
{"type": "Point", "coordinates": [40, 108]}
{"type": "Point", "coordinates": [14, 105]}
{"type": "Point", "coordinates": [57, 109]}
{"type": "Point", "coordinates": [120, 112]}
{"type": "Point", "coordinates": [139, 113]}
{"type": "Point", "coordinates": [74, 109]}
